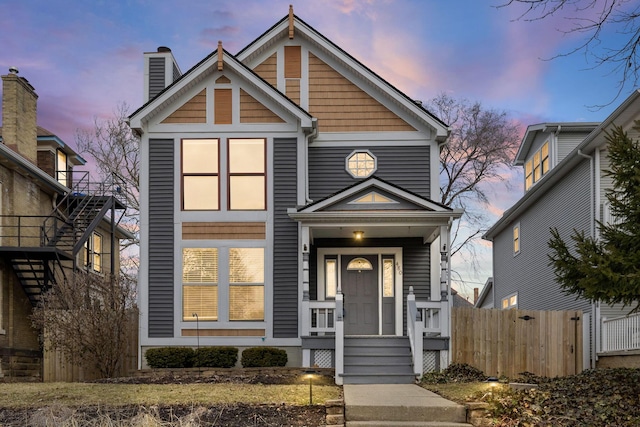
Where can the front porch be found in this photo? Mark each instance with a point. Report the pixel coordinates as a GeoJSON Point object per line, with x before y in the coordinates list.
{"type": "Point", "coordinates": [365, 359]}
{"type": "Point", "coordinates": [375, 283]}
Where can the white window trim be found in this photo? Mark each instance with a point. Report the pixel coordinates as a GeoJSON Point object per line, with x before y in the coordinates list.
{"type": "Point", "coordinates": [380, 252]}
{"type": "Point", "coordinates": [513, 239]}
{"type": "Point", "coordinates": [223, 321]}
{"type": "Point", "coordinates": [353, 153]}
{"type": "Point", "coordinates": [508, 299]}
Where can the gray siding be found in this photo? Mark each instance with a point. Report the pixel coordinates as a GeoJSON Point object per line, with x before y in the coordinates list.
{"type": "Point", "coordinates": [161, 237]}
{"type": "Point", "coordinates": [416, 272]}
{"type": "Point", "coordinates": [176, 72]}
{"type": "Point", "coordinates": [567, 142]}
{"type": "Point", "coordinates": [405, 166]}
{"type": "Point", "coordinates": [285, 243]}
{"type": "Point", "coordinates": [565, 206]}
{"type": "Point", "coordinates": [156, 76]}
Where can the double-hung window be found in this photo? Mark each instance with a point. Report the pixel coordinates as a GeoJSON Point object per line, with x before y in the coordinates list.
{"type": "Point", "coordinates": [200, 174]}
{"type": "Point", "coordinates": [199, 284]}
{"type": "Point", "coordinates": [247, 177]}
{"type": "Point", "coordinates": [93, 253]}
{"type": "Point", "coordinates": [246, 284]}
{"type": "Point", "coordinates": [537, 166]}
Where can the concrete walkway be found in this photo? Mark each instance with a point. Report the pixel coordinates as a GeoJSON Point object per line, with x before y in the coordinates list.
{"type": "Point", "coordinates": [399, 405]}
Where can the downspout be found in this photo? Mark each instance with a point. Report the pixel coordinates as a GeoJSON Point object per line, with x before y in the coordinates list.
{"type": "Point", "coordinates": [309, 138]}
{"type": "Point", "coordinates": [595, 321]}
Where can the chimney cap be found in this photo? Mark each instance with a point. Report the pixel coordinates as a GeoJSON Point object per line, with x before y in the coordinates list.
{"type": "Point", "coordinates": [163, 49]}
{"type": "Point", "coordinates": [13, 70]}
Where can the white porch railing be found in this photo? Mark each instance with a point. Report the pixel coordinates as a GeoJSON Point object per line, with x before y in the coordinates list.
{"type": "Point", "coordinates": [322, 316]}
{"type": "Point", "coordinates": [426, 319]}
{"type": "Point", "coordinates": [432, 315]}
{"type": "Point", "coordinates": [620, 333]}
{"type": "Point", "coordinates": [339, 339]}
{"type": "Point", "coordinates": [415, 331]}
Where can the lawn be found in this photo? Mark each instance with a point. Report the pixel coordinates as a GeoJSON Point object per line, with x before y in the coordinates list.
{"type": "Point", "coordinates": [34, 395]}
{"type": "Point", "coordinates": [162, 405]}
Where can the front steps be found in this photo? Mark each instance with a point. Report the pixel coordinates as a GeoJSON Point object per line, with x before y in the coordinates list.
{"type": "Point", "coordinates": [400, 405]}
{"type": "Point", "coordinates": [377, 360]}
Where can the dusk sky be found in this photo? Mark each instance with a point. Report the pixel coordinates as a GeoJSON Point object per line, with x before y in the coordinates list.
{"type": "Point", "coordinates": [86, 57]}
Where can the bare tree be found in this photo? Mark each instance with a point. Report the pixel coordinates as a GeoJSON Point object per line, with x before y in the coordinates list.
{"type": "Point", "coordinates": [88, 319]}
{"type": "Point", "coordinates": [116, 152]}
{"type": "Point", "coordinates": [594, 19]}
{"type": "Point", "coordinates": [480, 149]}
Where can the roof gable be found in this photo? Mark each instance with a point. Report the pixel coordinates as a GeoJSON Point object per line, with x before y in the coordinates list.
{"type": "Point", "coordinates": [186, 99]}
{"type": "Point", "coordinates": [362, 197]}
{"type": "Point", "coordinates": [330, 64]}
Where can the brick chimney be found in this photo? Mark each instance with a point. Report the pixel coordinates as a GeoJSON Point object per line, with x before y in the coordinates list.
{"type": "Point", "coordinates": [19, 128]}
{"type": "Point", "coordinates": [476, 294]}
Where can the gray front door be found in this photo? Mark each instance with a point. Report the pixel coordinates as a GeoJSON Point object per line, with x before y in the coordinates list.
{"type": "Point", "coordinates": [360, 289]}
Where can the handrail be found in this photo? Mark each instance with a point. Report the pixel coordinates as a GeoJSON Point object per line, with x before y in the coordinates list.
{"type": "Point", "coordinates": [339, 369]}
{"type": "Point", "coordinates": [620, 333]}
{"type": "Point", "coordinates": [415, 332]}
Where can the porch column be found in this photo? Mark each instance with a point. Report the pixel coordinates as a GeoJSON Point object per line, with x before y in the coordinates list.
{"type": "Point", "coordinates": [445, 291]}
{"type": "Point", "coordinates": [305, 316]}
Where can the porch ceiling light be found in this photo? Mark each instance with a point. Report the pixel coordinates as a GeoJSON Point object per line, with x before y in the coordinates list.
{"type": "Point", "coordinates": [358, 235]}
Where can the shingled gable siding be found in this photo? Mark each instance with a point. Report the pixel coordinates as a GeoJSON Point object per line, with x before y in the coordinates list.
{"type": "Point", "coordinates": [405, 166]}
{"type": "Point", "coordinates": [285, 243]}
{"type": "Point", "coordinates": [156, 76]}
{"type": "Point", "coordinates": [565, 206]}
{"type": "Point", "coordinates": [161, 238]}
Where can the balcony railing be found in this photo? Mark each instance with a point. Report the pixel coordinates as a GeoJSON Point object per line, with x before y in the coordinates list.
{"type": "Point", "coordinates": [621, 333]}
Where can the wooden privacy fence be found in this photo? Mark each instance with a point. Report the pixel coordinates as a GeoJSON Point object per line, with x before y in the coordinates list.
{"type": "Point", "coordinates": [509, 342]}
{"type": "Point", "coordinates": [57, 367]}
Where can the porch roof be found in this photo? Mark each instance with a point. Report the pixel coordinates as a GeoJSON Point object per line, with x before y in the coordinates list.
{"type": "Point", "coordinates": [418, 217]}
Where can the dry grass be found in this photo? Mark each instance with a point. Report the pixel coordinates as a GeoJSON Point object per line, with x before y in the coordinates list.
{"type": "Point", "coordinates": [462, 392]}
{"type": "Point", "coordinates": [25, 395]}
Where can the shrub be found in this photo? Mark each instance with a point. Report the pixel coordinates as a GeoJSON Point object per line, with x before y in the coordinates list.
{"type": "Point", "coordinates": [259, 357]}
{"type": "Point", "coordinates": [170, 357]}
{"type": "Point", "coordinates": [216, 357]}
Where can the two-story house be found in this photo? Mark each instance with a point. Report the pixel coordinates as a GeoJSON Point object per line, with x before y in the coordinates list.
{"type": "Point", "coordinates": [565, 187]}
{"type": "Point", "coordinates": [53, 222]}
{"type": "Point", "coordinates": [287, 199]}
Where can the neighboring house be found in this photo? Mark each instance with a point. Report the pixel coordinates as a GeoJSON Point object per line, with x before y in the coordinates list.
{"type": "Point", "coordinates": [287, 199]}
{"type": "Point", "coordinates": [485, 298]}
{"type": "Point", "coordinates": [565, 186]}
{"type": "Point", "coordinates": [53, 221]}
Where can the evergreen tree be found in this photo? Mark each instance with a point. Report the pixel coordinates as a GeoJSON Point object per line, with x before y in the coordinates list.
{"type": "Point", "coordinates": [607, 269]}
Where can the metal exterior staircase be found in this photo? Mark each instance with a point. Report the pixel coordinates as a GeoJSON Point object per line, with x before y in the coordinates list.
{"type": "Point", "coordinates": [40, 263]}
{"type": "Point", "coordinates": [377, 360]}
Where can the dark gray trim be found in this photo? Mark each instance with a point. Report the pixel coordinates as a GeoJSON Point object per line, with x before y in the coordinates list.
{"type": "Point", "coordinates": [327, 342]}
{"type": "Point", "coordinates": [435, 343]}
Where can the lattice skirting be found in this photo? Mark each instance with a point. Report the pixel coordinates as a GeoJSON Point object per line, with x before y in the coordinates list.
{"type": "Point", "coordinates": [430, 361]}
{"type": "Point", "coordinates": [323, 358]}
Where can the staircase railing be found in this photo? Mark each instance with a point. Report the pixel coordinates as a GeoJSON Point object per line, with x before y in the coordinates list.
{"type": "Point", "coordinates": [339, 370]}
{"type": "Point", "coordinates": [415, 331]}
